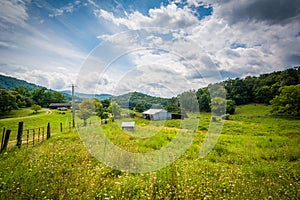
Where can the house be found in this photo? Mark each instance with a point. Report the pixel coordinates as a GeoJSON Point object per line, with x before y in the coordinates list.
{"type": "Point", "coordinates": [157, 114]}
{"type": "Point", "coordinates": [128, 126]}
{"type": "Point", "coordinates": [60, 105]}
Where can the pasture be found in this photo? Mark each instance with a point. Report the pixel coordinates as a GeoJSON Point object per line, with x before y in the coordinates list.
{"type": "Point", "coordinates": [256, 157]}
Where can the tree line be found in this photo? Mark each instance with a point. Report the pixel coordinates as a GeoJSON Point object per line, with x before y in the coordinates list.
{"type": "Point", "coordinates": [20, 97]}
{"type": "Point", "coordinates": [281, 89]}
{"type": "Point", "coordinates": [272, 88]}
{"type": "Point", "coordinates": [104, 109]}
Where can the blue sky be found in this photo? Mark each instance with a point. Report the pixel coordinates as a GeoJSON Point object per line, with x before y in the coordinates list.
{"type": "Point", "coordinates": [157, 47]}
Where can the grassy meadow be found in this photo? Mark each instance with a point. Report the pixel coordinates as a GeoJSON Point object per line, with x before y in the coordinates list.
{"type": "Point", "coordinates": [257, 156]}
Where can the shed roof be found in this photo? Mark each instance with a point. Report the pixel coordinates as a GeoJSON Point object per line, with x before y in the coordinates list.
{"type": "Point", "coordinates": [154, 111]}
{"type": "Point", "coordinates": [128, 124]}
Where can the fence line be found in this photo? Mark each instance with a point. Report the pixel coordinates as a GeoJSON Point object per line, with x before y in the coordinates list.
{"type": "Point", "coordinates": [33, 136]}
{"type": "Point", "coordinates": [29, 136]}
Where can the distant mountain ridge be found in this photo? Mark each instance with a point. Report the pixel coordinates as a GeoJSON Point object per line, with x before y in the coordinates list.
{"type": "Point", "coordinates": [88, 96]}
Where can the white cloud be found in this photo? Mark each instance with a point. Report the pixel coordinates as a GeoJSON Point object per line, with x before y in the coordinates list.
{"type": "Point", "coordinates": [184, 52]}
{"type": "Point", "coordinates": [147, 61]}
{"type": "Point", "coordinates": [65, 9]}
{"type": "Point", "coordinates": [169, 16]}
{"type": "Point", "coordinates": [245, 47]}
{"type": "Point", "coordinates": [13, 12]}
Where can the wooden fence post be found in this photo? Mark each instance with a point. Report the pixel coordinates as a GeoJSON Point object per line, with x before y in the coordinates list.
{"type": "Point", "coordinates": [20, 133]}
{"type": "Point", "coordinates": [39, 133]}
{"type": "Point", "coordinates": [2, 141]}
{"type": "Point", "coordinates": [43, 133]}
{"type": "Point", "coordinates": [48, 131]}
{"type": "Point", "coordinates": [6, 139]}
{"type": "Point", "coordinates": [61, 128]}
{"type": "Point", "coordinates": [27, 137]}
{"type": "Point", "coordinates": [33, 136]}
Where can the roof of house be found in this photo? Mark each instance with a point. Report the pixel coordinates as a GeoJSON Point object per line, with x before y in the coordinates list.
{"type": "Point", "coordinates": [60, 104]}
{"type": "Point", "coordinates": [128, 124]}
{"type": "Point", "coordinates": [154, 111]}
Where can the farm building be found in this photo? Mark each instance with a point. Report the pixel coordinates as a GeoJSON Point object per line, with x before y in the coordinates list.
{"type": "Point", "coordinates": [128, 126]}
{"type": "Point", "coordinates": [157, 114]}
{"type": "Point", "coordinates": [60, 105]}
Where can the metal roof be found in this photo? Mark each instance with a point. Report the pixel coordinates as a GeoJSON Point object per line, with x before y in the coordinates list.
{"type": "Point", "coordinates": [60, 104]}
{"type": "Point", "coordinates": [128, 124]}
{"type": "Point", "coordinates": [154, 111]}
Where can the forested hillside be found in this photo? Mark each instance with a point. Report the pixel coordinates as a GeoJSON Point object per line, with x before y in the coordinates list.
{"type": "Point", "coordinates": [9, 83]}
{"type": "Point", "coordinates": [246, 90]}
{"type": "Point", "coordinates": [139, 101]}
{"type": "Point", "coordinates": [260, 89]}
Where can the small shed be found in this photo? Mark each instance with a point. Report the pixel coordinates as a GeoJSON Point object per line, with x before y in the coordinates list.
{"type": "Point", "coordinates": [128, 126]}
{"type": "Point", "coordinates": [157, 114]}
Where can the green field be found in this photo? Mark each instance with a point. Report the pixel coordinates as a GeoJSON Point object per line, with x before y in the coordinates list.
{"type": "Point", "coordinates": [256, 157]}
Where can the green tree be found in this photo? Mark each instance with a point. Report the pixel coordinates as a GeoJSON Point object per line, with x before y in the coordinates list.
{"type": "Point", "coordinates": [238, 91]}
{"type": "Point", "coordinates": [173, 106]}
{"type": "Point", "coordinates": [105, 103]}
{"type": "Point", "coordinates": [230, 107]}
{"type": "Point", "coordinates": [204, 99]}
{"type": "Point", "coordinates": [287, 102]}
{"type": "Point", "coordinates": [188, 101]}
{"type": "Point", "coordinates": [38, 96]}
{"type": "Point", "coordinates": [115, 109]}
{"type": "Point", "coordinates": [7, 101]}
{"type": "Point", "coordinates": [42, 96]}
{"type": "Point", "coordinates": [22, 91]}
{"type": "Point", "coordinates": [140, 107]}
{"type": "Point", "coordinates": [218, 106]}
{"type": "Point", "coordinates": [101, 111]}
{"type": "Point", "coordinates": [53, 97]}
{"type": "Point", "coordinates": [36, 108]}
{"type": "Point", "coordinates": [86, 109]}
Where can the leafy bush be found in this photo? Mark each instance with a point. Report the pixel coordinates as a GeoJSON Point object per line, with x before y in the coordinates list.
{"type": "Point", "coordinates": [36, 108]}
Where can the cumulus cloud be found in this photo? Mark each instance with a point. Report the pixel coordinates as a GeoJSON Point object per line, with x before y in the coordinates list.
{"type": "Point", "coordinates": [240, 38]}
{"type": "Point", "coordinates": [169, 16]}
{"type": "Point", "coordinates": [184, 51]}
{"type": "Point", "coordinates": [150, 61]}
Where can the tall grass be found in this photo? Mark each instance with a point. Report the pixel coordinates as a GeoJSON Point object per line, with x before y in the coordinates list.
{"type": "Point", "coordinates": [256, 157]}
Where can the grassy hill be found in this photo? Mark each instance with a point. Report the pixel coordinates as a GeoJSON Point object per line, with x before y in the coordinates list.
{"type": "Point", "coordinates": [256, 157]}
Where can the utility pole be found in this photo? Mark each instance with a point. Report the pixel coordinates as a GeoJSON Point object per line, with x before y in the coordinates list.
{"type": "Point", "coordinates": [73, 106]}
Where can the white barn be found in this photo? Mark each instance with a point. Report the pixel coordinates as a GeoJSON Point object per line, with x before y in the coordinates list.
{"type": "Point", "coordinates": [157, 114]}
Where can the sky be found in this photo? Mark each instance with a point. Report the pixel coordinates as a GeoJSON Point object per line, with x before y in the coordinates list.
{"type": "Point", "coordinates": [160, 48]}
